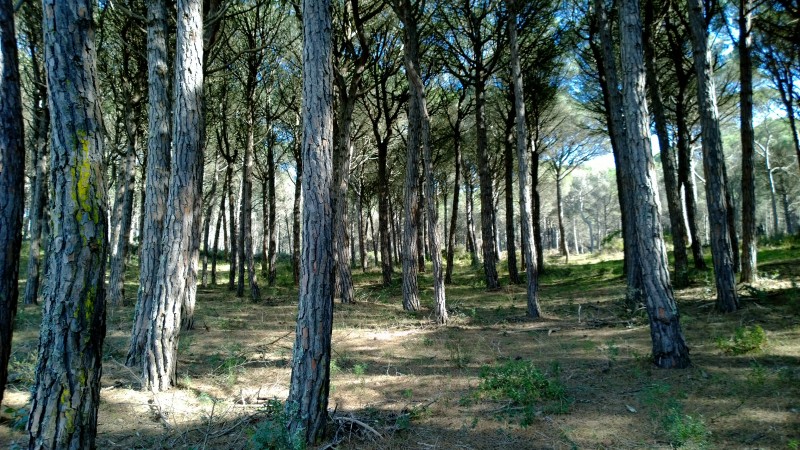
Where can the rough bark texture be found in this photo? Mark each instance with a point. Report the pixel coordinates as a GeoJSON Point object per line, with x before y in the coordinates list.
{"type": "Point", "coordinates": [66, 393]}
{"type": "Point", "coordinates": [246, 218]}
{"type": "Point", "coordinates": [508, 159]}
{"type": "Point", "coordinates": [272, 251]}
{"type": "Point", "coordinates": [175, 275]}
{"type": "Point", "coordinates": [296, 214]}
{"type": "Point", "coordinates": [472, 244]}
{"type": "Point", "coordinates": [158, 166]}
{"type": "Point", "coordinates": [749, 249]}
{"type": "Point", "coordinates": [451, 238]}
{"type": "Point", "coordinates": [713, 163]}
{"type": "Point", "coordinates": [669, 347]}
{"type": "Point", "coordinates": [343, 155]}
{"type": "Point", "coordinates": [307, 405]}
{"type": "Point", "coordinates": [411, 205]}
{"type": "Point", "coordinates": [12, 183]}
{"type": "Point", "coordinates": [562, 232]}
{"type": "Point", "coordinates": [668, 163]}
{"type": "Point", "coordinates": [486, 190]}
{"type": "Point", "coordinates": [387, 268]}
{"type": "Point", "coordinates": [528, 243]}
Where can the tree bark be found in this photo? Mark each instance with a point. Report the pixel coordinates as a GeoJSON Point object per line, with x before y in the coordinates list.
{"type": "Point", "coordinates": [387, 268]}
{"type": "Point", "coordinates": [207, 227]}
{"type": "Point", "coordinates": [296, 212]}
{"type": "Point", "coordinates": [472, 244]}
{"type": "Point", "coordinates": [451, 238]}
{"type": "Point", "coordinates": [175, 277]}
{"type": "Point", "coordinates": [668, 163]}
{"type": "Point", "coordinates": [272, 252]}
{"type": "Point", "coordinates": [508, 159]}
{"type": "Point", "coordinates": [220, 226]}
{"type": "Point", "coordinates": [528, 243]}
{"type": "Point", "coordinates": [246, 217]}
{"type": "Point", "coordinates": [307, 405]}
{"type": "Point", "coordinates": [123, 208]}
{"type": "Point", "coordinates": [562, 234]}
{"type": "Point", "coordinates": [713, 163]}
{"type": "Point", "coordinates": [669, 347]}
{"type": "Point", "coordinates": [12, 183]}
{"type": "Point", "coordinates": [158, 167]}
{"type": "Point", "coordinates": [486, 189]}
{"type": "Point", "coordinates": [66, 393]}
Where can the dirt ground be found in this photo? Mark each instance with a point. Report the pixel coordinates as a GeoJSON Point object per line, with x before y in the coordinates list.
{"type": "Point", "coordinates": [399, 382]}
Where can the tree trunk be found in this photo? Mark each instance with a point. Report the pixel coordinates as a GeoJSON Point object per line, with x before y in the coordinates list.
{"type": "Point", "coordinates": [411, 209]}
{"type": "Point", "coordinates": [246, 213]}
{"type": "Point", "coordinates": [387, 268]}
{"type": "Point", "coordinates": [307, 405]}
{"type": "Point", "coordinates": [12, 185]}
{"type": "Point", "coordinates": [528, 243]}
{"type": "Point", "coordinates": [486, 190]}
{"type": "Point", "coordinates": [562, 234]}
{"type": "Point", "coordinates": [220, 226]}
{"type": "Point", "coordinates": [343, 155]}
{"type": "Point", "coordinates": [536, 211]}
{"type": "Point", "coordinates": [472, 244]}
{"type": "Point", "coordinates": [207, 226]}
{"type": "Point", "coordinates": [508, 157]}
{"type": "Point", "coordinates": [749, 270]}
{"type": "Point", "coordinates": [123, 209]}
{"type": "Point", "coordinates": [668, 162]}
{"type": "Point", "coordinates": [451, 238]}
{"type": "Point", "coordinates": [296, 217]}
{"type": "Point", "coordinates": [669, 347]}
{"type": "Point", "coordinates": [713, 163]}
{"type": "Point", "coordinates": [158, 168]}
{"type": "Point", "coordinates": [272, 250]}
{"type": "Point", "coordinates": [362, 253]}
{"type": "Point", "coordinates": [420, 219]}
{"type": "Point", "coordinates": [175, 275]}
{"type": "Point", "coordinates": [39, 190]}
{"type": "Point", "coordinates": [66, 393]}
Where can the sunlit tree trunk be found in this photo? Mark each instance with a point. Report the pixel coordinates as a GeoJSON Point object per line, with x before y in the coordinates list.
{"type": "Point", "coordinates": [669, 347]}
{"type": "Point", "coordinates": [66, 394]}
{"type": "Point", "coordinates": [307, 405]}
{"type": "Point", "coordinates": [713, 163]}
{"type": "Point", "coordinates": [175, 276]}
{"type": "Point", "coordinates": [157, 184]}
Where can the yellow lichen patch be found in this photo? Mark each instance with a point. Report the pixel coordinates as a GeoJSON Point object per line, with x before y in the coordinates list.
{"type": "Point", "coordinates": [82, 175]}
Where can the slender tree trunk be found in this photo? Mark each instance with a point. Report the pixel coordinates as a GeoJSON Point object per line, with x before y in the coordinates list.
{"type": "Point", "coordinates": [12, 191]}
{"type": "Point", "coordinates": [246, 217]}
{"type": "Point", "coordinates": [175, 276]}
{"type": "Point", "coordinates": [387, 268]}
{"type": "Point", "coordinates": [562, 234]}
{"type": "Point", "coordinates": [66, 394]}
{"type": "Point", "coordinates": [787, 213]}
{"type": "Point", "coordinates": [296, 219]}
{"type": "Point", "coordinates": [362, 253]}
{"type": "Point", "coordinates": [749, 270]}
{"type": "Point", "coordinates": [508, 156]}
{"type": "Point", "coordinates": [486, 190]}
{"type": "Point", "coordinates": [536, 210]}
{"type": "Point", "coordinates": [772, 193]}
{"type": "Point", "coordinates": [472, 244]}
{"type": "Point", "coordinates": [343, 155]}
{"type": "Point", "coordinates": [451, 238]}
{"type": "Point", "coordinates": [220, 226]}
{"type": "Point", "coordinates": [411, 210]}
{"type": "Point", "coordinates": [713, 163]}
{"type": "Point", "coordinates": [669, 347]}
{"type": "Point", "coordinates": [668, 163]}
{"type": "Point", "coordinates": [207, 227]}
{"type": "Point", "coordinates": [272, 251]}
{"type": "Point", "coordinates": [265, 228]}
{"type": "Point", "coordinates": [528, 243]}
{"type": "Point", "coordinates": [420, 219]}
{"type": "Point", "coordinates": [122, 227]}
{"type": "Point", "coordinates": [157, 184]}
{"type": "Point", "coordinates": [307, 405]}
{"type": "Point", "coordinates": [373, 235]}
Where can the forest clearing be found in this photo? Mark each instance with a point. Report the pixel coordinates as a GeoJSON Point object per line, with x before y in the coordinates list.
{"type": "Point", "coordinates": [399, 382]}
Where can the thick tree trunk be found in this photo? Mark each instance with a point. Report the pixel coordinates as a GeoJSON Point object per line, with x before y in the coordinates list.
{"type": "Point", "coordinates": [175, 277]}
{"type": "Point", "coordinates": [307, 405]}
{"type": "Point", "coordinates": [669, 347]}
{"type": "Point", "coordinates": [66, 393]}
{"type": "Point", "coordinates": [713, 163]}
{"type": "Point", "coordinates": [12, 187]}
{"type": "Point", "coordinates": [749, 270]}
{"type": "Point", "coordinates": [508, 157]}
{"type": "Point", "coordinates": [411, 209]}
{"type": "Point", "coordinates": [668, 163]}
{"type": "Point", "coordinates": [387, 268]}
{"type": "Point", "coordinates": [528, 243]}
{"type": "Point", "coordinates": [343, 155]}
{"type": "Point", "coordinates": [158, 167]}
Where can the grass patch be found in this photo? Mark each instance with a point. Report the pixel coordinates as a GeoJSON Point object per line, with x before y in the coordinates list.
{"type": "Point", "coordinates": [744, 340]}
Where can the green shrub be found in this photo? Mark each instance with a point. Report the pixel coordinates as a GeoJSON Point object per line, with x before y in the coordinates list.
{"type": "Point", "coordinates": [273, 433]}
{"type": "Point", "coordinates": [530, 390]}
{"type": "Point", "coordinates": [744, 340]}
{"type": "Point", "coordinates": [685, 431]}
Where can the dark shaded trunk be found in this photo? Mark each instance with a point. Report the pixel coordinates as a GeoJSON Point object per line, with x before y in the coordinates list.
{"type": "Point", "coordinates": [713, 163]}
{"type": "Point", "coordinates": [668, 163]}
{"type": "Point", "coordinates": [508, 159]}
{"type": "Point", "coordinates": [486, 189]}
{"type": "Point", "coordinates": [66, 393]}
{"type": "Point", "coordinates": [669, 347]}
{"type": "Point", "coordinates": [387, 268]}
{"type": "Point", "coordinates": [536, 211]}
{"type": "Point", "coordinates": [562, 234]}
{"type": "Point", "coordinates": [296, 214]}
{"type": "Point", "coordinates": [307, 405]}
{"type": "Point", "coordinates": [451, 238]}
{"type": "Point", "coordinates": [749, 261]}
{"type": "Point", "coordinates": [472, 244]}
{"type": "Point", "coordinates": [207, 228]}
{"type": "Point", "coordinates": [420, 219]}
{"type": "Point", "coordinates": [123, 210]}
{"type": "Point", "coordinates": [12, 194]}
{"type": "Point", "coordinates": [220, 226]}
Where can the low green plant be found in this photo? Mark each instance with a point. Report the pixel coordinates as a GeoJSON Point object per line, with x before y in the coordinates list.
{"type": "Point", "coordinates": [744, 340]}
{"type": "Point", "coordinates": [359, 369]}
{"type": "Point", "coordinates": [530, 390]}
{"type": "Point", "coordinates": [19, 418]}
{"type": "Point", "coordinates": [459, 355]}
{"type": "Point", "coordinates": [685, 431]}
{"type": "Point", "coordinates": [273, 432]}
{"type": "Point", "coordinates": [794, 444]}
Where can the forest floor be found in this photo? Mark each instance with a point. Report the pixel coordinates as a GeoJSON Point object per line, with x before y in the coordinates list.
{"type": "Point", "coordinates": [399, 382]}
